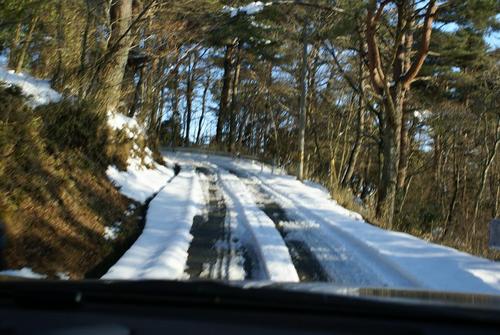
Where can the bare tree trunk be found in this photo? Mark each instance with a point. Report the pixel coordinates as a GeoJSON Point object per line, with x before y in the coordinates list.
{"type": "Point", "coordinates": [391, 133]}
{"type": "Point", "coordinates": [14, 45]}
{"type": "Point", "coordinates": [307, 166]}
{"type": "Point", "coordinates": [60, 45]}
{"type": "Point", "coordinates": [26, 44]}
{"type": "Point", "coordinates": [333, 173]}
{"type": "Point", "coordinates": [404, 194]}
{"type": "Point", "coordinates": [437, 164]}
{"type": "Point", "coordinates": [203, 108]}
{"type": "Point", "coordinates": [112, 71]}
{"type": "Point", "coordinates": [84, 47]}
{"type": "Point", "coordinates": [454, 196]}
{"type": "Point", "coordinates": [269, 109]}
{"type": "Point", "coordinates": [176, 117]}
{"type": "Point", "coordinates": [404, 151]}
{"type": "Point", "coordinates": [224, 97]}
{"type": "Point", "coordinates": [311, 101]}
{"type": "Point", "coordinates": [334, 178]}
{"type": "Point", "coordinates": [356, 148]}
{"type": "Point", "coordinates": [405, 135]}
{"type": "Point", "coordinates": [302, 104]}
{"type": "Point", "coordinates": [484, 173]}
{"type": "Point", "coordinates": [138, 92]}
{"type": "Point", "coordinates": [241, 129]}
{"type": "Point", "coordinates": [234, 109]}
{"type": "Point", "coordinates": [496, 207]}
{"type": "Point", "coordinates": [189, 97]}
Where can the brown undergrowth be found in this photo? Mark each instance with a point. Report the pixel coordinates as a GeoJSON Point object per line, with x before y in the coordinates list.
{"type": "Point", "coordinates": [56, 199]}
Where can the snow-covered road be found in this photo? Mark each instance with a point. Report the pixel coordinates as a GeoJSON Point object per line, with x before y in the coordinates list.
{"type": "Point", "coordinates": [285, 230]}
{"type": "Point", "coordinates": [161, 250]}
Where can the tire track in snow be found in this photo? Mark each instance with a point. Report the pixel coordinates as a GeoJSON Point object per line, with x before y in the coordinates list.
{"type": "Point", "coordinates": [307, 265]}
{"type": "Point", "coordinates": [359, 264]}
{"type": "Point", "coordinates": [214, 253]}
{"type": "Point", "coordinates": [343, 265]}
{"type": "Point", "coordinates": [263, 240]}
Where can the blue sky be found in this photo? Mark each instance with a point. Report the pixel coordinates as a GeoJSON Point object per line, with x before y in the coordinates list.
{"type": "Point", "coordinates": [493, 40]}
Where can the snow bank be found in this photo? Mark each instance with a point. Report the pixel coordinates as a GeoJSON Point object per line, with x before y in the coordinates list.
{"type": "Point", "coordinates": [143, 176]}
{"type": "Point", "coordinates": [118, 121]}
{"type": "Point", "coordinates": [267, 241]}
{"type": "Point", "coordinates": [38, 90]}
{"type": "Point", "coordinates": [161, 250]}
{"type": "Point", "coordinates": [139, 182]}
{"type": "Point", "coordinates": [24, 272]}
{"type": "Point", "coordinates": [251, 9]}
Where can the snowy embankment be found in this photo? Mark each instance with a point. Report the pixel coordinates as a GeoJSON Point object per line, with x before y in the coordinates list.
{"type": "Point", "coordinates": [161, 250]}
{"type": "Point", "coordinates": [38, 90]}
{"type": "Point", "coordinates": [265, 238]}
{"type": "Point", "coordinates": [139, 182]}
{"type": "Point", "coordinates": [143, 177]}
{"type": "Point", "coordinates": [398, 259]}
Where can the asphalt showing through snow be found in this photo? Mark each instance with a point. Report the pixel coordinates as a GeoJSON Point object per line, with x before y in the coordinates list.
{"type": "Point", "coordinates": [215, 247]}
{"type": "Point", "coordinates": [308, 267]}
{"type": "Point", "coordinates": [213, 250]}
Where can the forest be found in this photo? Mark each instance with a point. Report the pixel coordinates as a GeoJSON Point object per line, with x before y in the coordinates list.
{"type": "Point", "coordinates": [393, 105]}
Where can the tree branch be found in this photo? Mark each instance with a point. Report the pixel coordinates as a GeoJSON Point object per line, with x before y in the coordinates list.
{"type": "Point", "coordinates": [430, 15]}
{"type": "Point", "coordinates": [374, 63]}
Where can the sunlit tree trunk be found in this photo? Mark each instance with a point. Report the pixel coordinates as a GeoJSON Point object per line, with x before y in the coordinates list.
{"type": "Point", "coordinates": [112, 70]}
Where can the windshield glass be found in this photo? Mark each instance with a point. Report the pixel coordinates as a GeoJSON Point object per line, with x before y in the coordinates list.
{"type": "Point", "coordinates": [349, 143]}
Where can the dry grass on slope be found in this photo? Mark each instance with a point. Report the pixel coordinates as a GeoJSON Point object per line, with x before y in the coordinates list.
{"type": "Point", "coordinates": [56, 200]}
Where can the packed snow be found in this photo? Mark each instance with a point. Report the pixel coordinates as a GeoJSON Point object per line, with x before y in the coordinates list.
{"type": "Point", "coordinates": [38, 91]}
{"type": "Point", "coordinates": [161, 250]}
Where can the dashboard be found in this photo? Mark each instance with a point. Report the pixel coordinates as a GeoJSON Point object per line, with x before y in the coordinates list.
{"type": "Point", "coordinates": [118, 308]}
